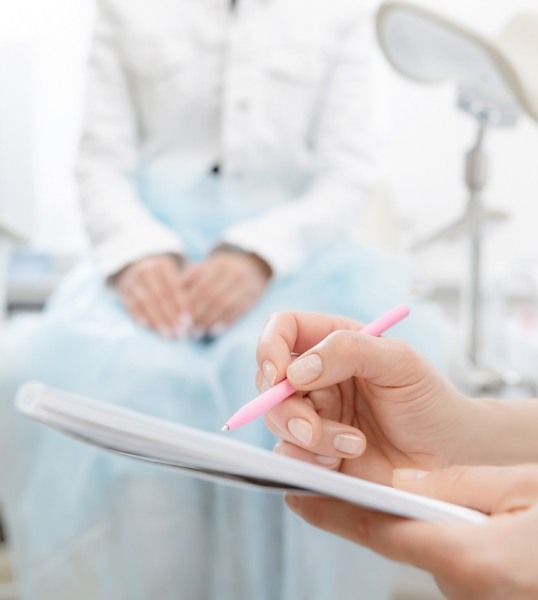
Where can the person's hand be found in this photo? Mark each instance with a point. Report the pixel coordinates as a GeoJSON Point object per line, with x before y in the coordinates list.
{"type": "Point", "coordinates": [222, 288]}
{"type": "Point", "coordinates": [152, 291]}
{"type": "Point", "coordinates": [494, 560]}
{"type": "Point", "coordinates": [366, 405]}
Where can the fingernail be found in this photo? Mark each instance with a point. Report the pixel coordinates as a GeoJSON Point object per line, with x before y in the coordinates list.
{"type": "Point", "coordinates": [269, 370]}
{"type": "Point", "coordinates": [185, 318]}
{"type": "Point", "coordinates": [279, 448]}
{"type": "Point", "coordinates": [349, 443]}
{"type": "Point", "coordinates": [197, 333]}
{"type": "Point", "coordinates": [165, 333]}
{"type": "Point", "coordinates": [326, 461]}
{"type": "Point", "coordinates": [217, 329]}
{"type": "Point", "coordinates": [184, 323]}
{"type": "Point", "coordinates": [410, 474]}
{"type": "Point", "coordinates": [264, 386]}
{"type": "Point", "coordinates": [300, 429]}
{"type": "Point", "coordinates": [181, 331]}
{"type": "Point", "coordinates": [305, 369]}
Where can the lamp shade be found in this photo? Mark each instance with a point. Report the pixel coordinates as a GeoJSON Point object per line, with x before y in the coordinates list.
{"type": "Point", "coordinates": [500, 72]}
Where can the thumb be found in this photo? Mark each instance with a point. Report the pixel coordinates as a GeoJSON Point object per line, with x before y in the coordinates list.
{"type": "Point", "coordinates": [484, 488]}
{"type": "Point", "coordinates": [345, 354]}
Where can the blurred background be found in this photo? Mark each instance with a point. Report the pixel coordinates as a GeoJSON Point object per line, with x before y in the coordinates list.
{"type": "Point", "coordinates": [43, 51]}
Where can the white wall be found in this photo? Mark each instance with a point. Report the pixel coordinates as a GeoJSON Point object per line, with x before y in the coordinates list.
{"type": "Point", "coordinates": [17, 165]}
{"type": "Point", "coordinates": [425, 136]}
{"type": "Point", "coordinates": [55, 35]}
{"type": "Point", "coordinates": [61, 49]}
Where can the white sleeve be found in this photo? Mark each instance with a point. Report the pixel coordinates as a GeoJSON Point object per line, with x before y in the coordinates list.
{"type": "Point", "coordinates": [344, 143]}
{"type": "Point", "coordinates": [121, 229]}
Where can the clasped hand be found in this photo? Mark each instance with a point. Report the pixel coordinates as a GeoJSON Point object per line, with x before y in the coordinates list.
{"type": "Point", "coordinates": [178, 299]}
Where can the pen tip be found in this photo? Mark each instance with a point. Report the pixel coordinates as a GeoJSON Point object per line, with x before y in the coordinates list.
{"type": "Point", "coordinates": [225, 428]}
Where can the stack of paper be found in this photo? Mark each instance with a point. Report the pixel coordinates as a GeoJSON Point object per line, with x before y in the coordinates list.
{"type": "Point", "coordinates": [216, 456]}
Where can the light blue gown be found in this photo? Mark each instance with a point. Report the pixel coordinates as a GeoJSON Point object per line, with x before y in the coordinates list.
{"type": "Point", "coordinates": [85, 524]}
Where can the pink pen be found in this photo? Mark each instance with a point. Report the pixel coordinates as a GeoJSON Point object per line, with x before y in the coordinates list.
{"type": "Point", "coordinates": [273, 396]}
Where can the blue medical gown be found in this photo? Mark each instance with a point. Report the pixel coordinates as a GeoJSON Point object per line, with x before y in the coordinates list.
{"type": "Point", "coordinates": [85, 524]}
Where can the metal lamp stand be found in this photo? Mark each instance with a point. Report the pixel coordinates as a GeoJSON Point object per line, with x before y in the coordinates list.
{"type": "Point", "coordinates": [471, 226]}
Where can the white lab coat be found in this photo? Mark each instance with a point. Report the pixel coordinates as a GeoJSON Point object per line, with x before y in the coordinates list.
{"type": "Point", "coordinates": [279, 94]}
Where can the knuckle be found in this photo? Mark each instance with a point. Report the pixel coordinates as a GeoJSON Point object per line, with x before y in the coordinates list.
{"type": "Point", "coordinates": [523, 489]}
{"type": "Point", "coordinates": [456, 475]}
{"type": "Point", "coordinates": [145, 267]}
{"type": "Point", "coordinates": [442, 483]}
{"type": "Point", "coordinates": [345, 341]}
{"type": "Point", "coordinates": [127, 277]}
{"type": "Point", "coordinates": [274, 318]}
{"type": "Point", "coordinates": [347, 347]}
{"type": "Point", "coordinates": [405, 358]}
{"type": "Point", "coordinates": [401, 346]}
{"type": "Point", "coordinates": [403, 349]}
{"type": "Point", "coordinates": [278, 326]}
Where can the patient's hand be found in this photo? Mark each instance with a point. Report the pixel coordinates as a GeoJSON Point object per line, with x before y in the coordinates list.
{"type": "Point", "coordinates": [223, 287]}
{"type": "Point", "coordinates": [152, 291]}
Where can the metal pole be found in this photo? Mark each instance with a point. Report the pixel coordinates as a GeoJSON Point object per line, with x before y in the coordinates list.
{"type": "Point", "coordinates": [476, 172]}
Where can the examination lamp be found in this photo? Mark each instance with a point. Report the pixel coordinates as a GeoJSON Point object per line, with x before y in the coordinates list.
{"type": "Point", "coordinates": [497, 82]}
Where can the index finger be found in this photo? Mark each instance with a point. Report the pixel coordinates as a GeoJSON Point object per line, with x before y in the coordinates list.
{"type": "Point", "coordinates": [294, 332]}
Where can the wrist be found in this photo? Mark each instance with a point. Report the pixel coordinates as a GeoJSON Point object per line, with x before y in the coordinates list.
{"type": "Point", "coordinates": [262, 264]}
{"type": "Point", "coordinates": [477, 441]}
{"type": "Point", "coordinates": [501, 432]}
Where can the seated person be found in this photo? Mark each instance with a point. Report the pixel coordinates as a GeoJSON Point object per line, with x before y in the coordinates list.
{"type": "Point", "coordinates": [227, 154]}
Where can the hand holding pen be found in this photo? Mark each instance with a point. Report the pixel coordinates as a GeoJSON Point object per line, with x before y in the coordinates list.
{"type": "Point", "coordinates": [284, 389]}
{"type": "Point", "coordinates": [363, 396]}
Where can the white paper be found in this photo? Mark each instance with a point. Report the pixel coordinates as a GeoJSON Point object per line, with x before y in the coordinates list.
{"type": "Point", "coordinates": [216, 456]}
